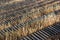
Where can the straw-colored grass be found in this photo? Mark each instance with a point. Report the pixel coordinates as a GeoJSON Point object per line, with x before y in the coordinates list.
{"type": "Point", "coordinates": [33, 27]}
{"type": "Point", "coordinates": [34, 13]}
{"type": "Point", "coordinates": [38, 24]}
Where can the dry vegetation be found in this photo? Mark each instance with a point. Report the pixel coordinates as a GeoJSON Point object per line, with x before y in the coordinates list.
{"type": "Point", "coordinates": [34, 13]}
{"type": "Point", "coordinates": [33, 27]}
{"type": "Point", "coordinates": [42, 17]}
{"type": "Point", "coordinates": [29, 5]}
{"type": "Point", "coordinates": [6, 2]}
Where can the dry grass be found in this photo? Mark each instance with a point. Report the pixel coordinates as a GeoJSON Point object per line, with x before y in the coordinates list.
{"type": "Point", "coordinates": [49, 19]}
{"type": "Point", "coordinates": [11, 8]}
{"type": "Point", "coordinates": [10, 2]}
{"type": "Point", "coordinates": [34, 13]}
{"type": "Point", "coordinates": [38, 25]}
{"type": "Point", "coordinates": [33, 27]}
